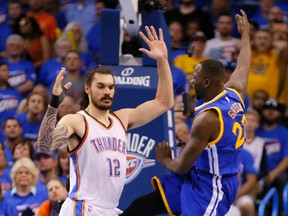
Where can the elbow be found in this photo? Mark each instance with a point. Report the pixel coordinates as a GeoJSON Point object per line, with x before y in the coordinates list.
{"type": "Point", "coordinates": [166, 105]}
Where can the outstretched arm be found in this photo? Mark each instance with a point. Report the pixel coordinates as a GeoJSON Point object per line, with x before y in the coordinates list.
{"type": "Point", "coordinates": [239, 77]}
{"type": "Point", "coordinates": [50, 138]}
{"type": "Point", "coordinates": [164, 98]}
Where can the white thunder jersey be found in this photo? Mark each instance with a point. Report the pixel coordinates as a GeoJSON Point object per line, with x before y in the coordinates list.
{"type": "Point", "coordinates": [98, 165]}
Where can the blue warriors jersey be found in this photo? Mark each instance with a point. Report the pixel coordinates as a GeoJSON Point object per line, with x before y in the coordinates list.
{"type": "Point", "coordinates": [222, 156]}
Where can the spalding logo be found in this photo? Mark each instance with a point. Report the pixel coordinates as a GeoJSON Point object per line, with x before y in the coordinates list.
{"type": "Point", "coordinates": [135, 163]}
{"type": "Point", "coordinates": [127, 71]}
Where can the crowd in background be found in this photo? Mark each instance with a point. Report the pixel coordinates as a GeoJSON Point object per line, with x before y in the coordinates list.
{"type": "Point", "coordinates": [38, 37]}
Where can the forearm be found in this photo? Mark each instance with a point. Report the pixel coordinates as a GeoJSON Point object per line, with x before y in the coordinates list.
{"type": "Point", "coordinates": [174, 166]}
{"type": "Point", "coordinates": [248, 187]}
{"type": "Point", "coordinates": [45, 135]}
{"type": "Point", "coordinates": [244, 59]}
{"type": "Point", "coordinates": [165, 84]}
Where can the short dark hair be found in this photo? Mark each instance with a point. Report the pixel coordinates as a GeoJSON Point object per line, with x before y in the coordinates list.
{"type": "Point", "coordinates": [10, 118]}
{"type": "Point", "coordinates": [212, 67]}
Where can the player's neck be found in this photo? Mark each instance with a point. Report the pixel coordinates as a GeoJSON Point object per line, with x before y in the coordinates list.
{"type": "Point", "coordinates": [100, 115]}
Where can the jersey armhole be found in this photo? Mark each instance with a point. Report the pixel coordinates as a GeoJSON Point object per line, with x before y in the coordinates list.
{"type": "Point", "coordinates": [82, 139]}
{"type": "Point", "coordinates": [113, 114]}
{"type": "Point", "coordinates": [240, 97]}
{"type": "Point", "coordinates": [220, 117]}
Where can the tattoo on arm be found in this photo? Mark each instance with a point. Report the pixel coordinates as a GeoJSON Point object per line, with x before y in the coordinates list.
{"type": "Point", "coordinates": [60, 136]}
{"type": "Point", "coordinates": [45, 135]}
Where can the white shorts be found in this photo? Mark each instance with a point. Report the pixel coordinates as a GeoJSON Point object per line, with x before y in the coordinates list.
{"type": "Point", "coordinates": [244, 200]}
{"type": "Point", "coordinates": [81, 208]}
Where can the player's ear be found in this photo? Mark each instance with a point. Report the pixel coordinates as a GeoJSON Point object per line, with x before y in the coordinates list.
{"type": "Point", "coordinates": [207, 82]}
{"type": "Point", "coordinates": [86, 88]}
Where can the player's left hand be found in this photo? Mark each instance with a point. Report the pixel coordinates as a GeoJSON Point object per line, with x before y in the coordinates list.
{"type": "Point", "coordinates": [163, 152]}
{"type": "Point", "coordinates": [156, 44]}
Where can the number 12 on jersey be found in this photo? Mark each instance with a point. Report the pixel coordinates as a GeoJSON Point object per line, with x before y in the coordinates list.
{"type": "Point", "coordinates": [114, 167]}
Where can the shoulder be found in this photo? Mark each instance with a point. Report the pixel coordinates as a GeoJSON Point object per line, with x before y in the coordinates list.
{"type": "Point", "coordinates": [72, 119]}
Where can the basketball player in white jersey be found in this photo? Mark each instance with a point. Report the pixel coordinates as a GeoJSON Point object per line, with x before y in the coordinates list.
{"type": "Point", "coordinates": [96, 137]}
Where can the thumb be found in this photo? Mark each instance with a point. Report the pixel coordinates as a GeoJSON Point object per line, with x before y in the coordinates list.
{"type": "Point", "coordinates": [67, 85]}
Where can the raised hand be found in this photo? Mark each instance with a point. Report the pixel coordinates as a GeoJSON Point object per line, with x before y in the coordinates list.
{"type": "Point", "coordinates": [156, 44]}
{"type": "Point", "coordinates": [57, 88]}
{"type": "Point", "coordinates": [242, 22]}
{"type": "Point", "coordinates": [163, 152]}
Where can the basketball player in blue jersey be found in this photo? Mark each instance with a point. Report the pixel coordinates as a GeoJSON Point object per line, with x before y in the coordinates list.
{"type": "Point", "coordinates": [96, 138]}
{"type": "Point", "coordinates": [210, 160]}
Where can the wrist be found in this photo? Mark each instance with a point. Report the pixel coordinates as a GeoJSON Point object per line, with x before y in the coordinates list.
{"type": "Point", "coordinates": [55, 101]}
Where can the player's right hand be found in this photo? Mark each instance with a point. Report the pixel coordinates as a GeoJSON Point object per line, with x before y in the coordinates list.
{"type": "Point", "coordinates": [163, 152]}
{"type": "Point", "coordinates": [57, 88]}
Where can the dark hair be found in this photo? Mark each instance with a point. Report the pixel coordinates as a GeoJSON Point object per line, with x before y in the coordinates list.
{"type": "Point", "coordinates": [3, 63]}
{"type": "Point", "coordinates": [213, 67]}
{"type": "Point", "coordinates": [24, 142]}
{"type": "Point", "coordinates": [89, 78]}
{"type": "Point", "coordinates": [62, 152]}
{"type": "Point", "coordinates": [35, 28]}
{"type": "Point", "coordinates": [72, 51]}
{"type": "Point", "coordinates": [11, 118]}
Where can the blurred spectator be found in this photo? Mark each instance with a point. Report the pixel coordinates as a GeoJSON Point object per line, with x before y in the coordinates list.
{"type": "Point", "coordinates": [275, 14]}
{"type": "Point", "coordinates": [3, 203]}
{"type": "Point", "coordinates": [258, 100]}
{"type": "Point", "coordinates": [63, 164]}
{"type": "Point", "coordinates": [9, 97]}
{"type": "Point", "coordinates": [266, 67]}
{"type": "Point", "coordinates": [57, 194]}
{"type": "Point", "coordinates": [186, 11]}
{"type": "Point", "coordinates": [276, 139]}
{"type": "Point", "coordinates": [36, 45]}
{"type": "Point", "coordinates": [39, 89]}
{"type": "Point", "coordinates": [5, 180]}
{"type": "Point", "coordinates": [46, 163]}
{"type": "Point", "coordinates": [83, 12]}
{"type": "Point", "coordinates": [14, 12]}
{"type": "Point", "coordinates": [73, 65]}
{"type": "Point", "coordinates": [219, 7]}
{"type": "Point", "coordinates": [53, 7]}
{"type": "Point", "coordinates": [261, 16]}
{"type": "Point", "coordinates": [254, 144]}
{"type": "Point", "coordinates": [12, 131]}
{"type": "Point", "coordinates": [23, 148]}
{"type": "Point", "coordinates": [31, 120]}
{"type": "Point", "coordinates": [187, 63]}
{"type": "Point", "coordinates": [24, 198]}
{"type": "Point", "coordinates": [223, 45]}
{"type": "Point", "coordinates": [52, 67]}
{"type": "Point", "coordinates": [190, 29]}
{"type": "Point", "coordinates": [93, 35]}
{"type": "Point", "coordinates": [22, 72]}
{"type": "Point", "coordinates": [67, 106]}
{"type": "Point", "coordinates": [46, 21]}
{"type": "Point", "coordinates": [177, 38]}
{"type": "Point", "coordinates": [73, 32]}
{"type": "Point", "coordinates": [6, 28]}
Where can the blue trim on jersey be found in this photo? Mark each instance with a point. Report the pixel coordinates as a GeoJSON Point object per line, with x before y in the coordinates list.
{"type": "Point", "coordinates": [78, 208]}
{"type": "Point", "coordinates": [76, 186]}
